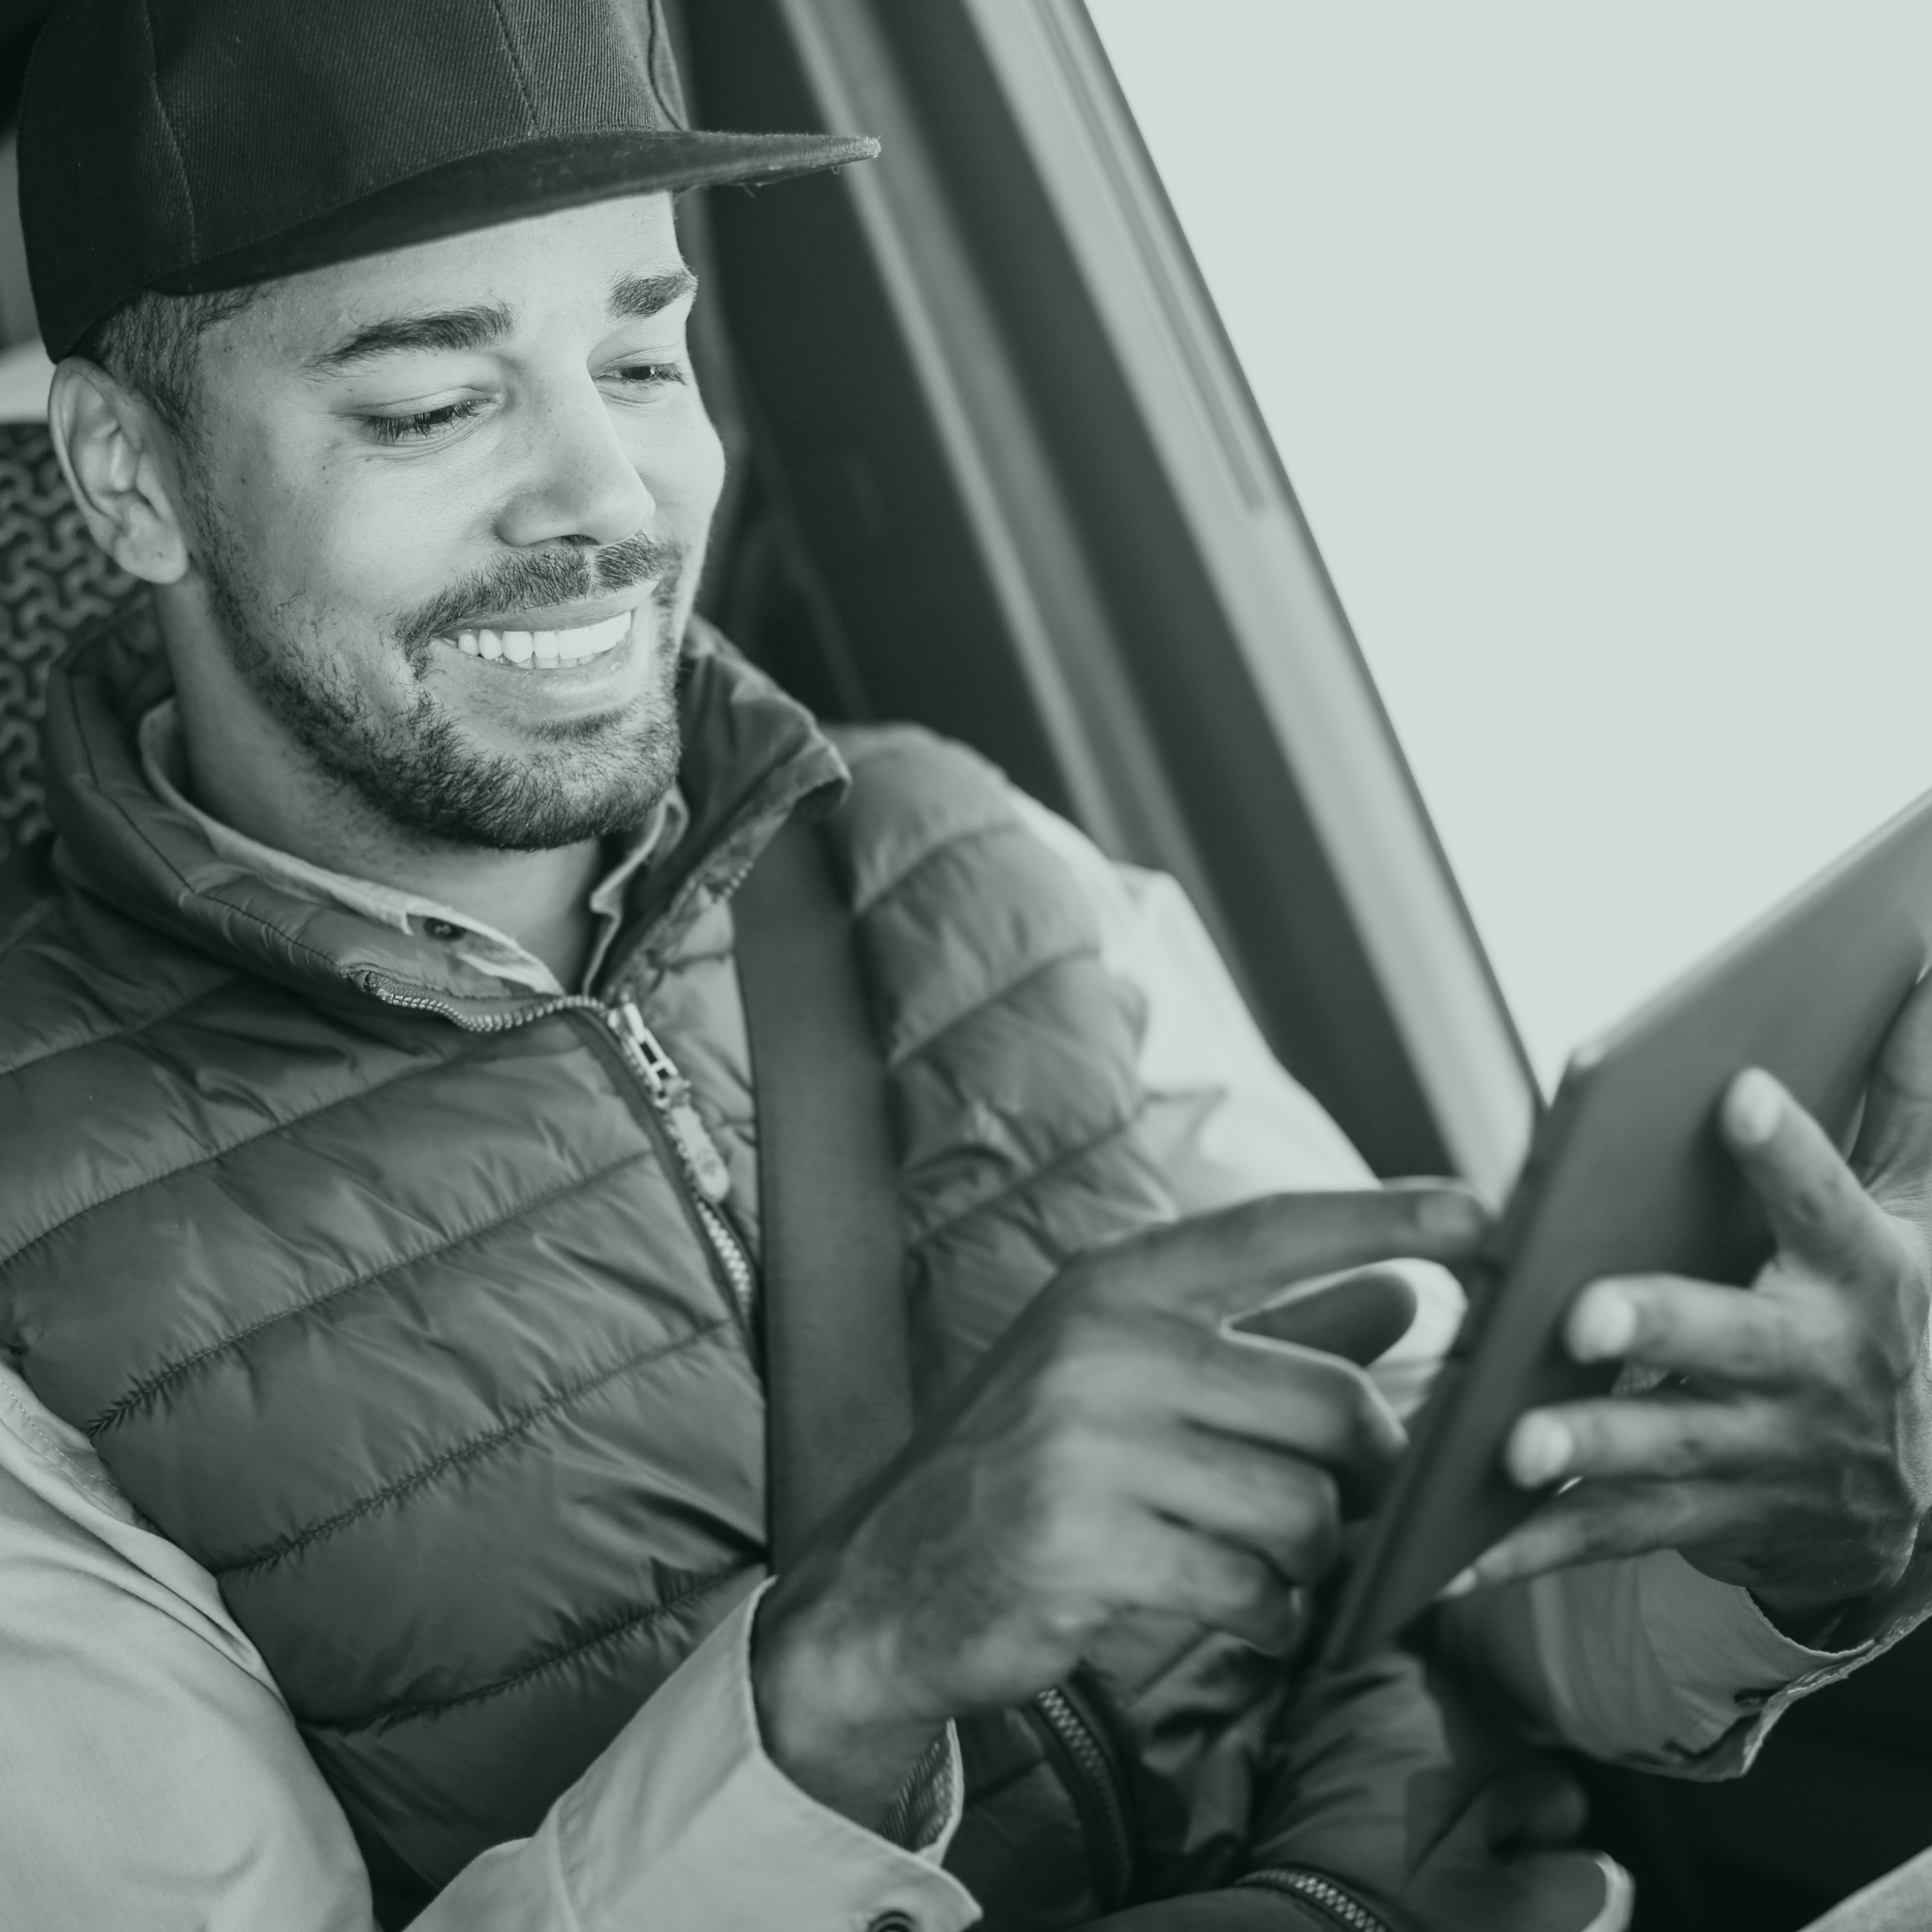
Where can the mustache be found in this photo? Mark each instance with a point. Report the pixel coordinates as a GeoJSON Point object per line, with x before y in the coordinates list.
{"type": "Point", "coordinates": [530, 580]}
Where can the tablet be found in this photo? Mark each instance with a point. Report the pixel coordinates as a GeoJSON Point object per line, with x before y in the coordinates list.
{"type": "Point", "coordinates": [1626, 1174]}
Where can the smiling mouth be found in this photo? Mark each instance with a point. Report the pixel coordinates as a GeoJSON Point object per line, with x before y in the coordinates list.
{"type": "Point", "coordinates": [546, 650]}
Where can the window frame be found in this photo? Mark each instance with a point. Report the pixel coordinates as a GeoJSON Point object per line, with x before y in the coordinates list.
{"type": "Point", "coordinates": [1111, 489]}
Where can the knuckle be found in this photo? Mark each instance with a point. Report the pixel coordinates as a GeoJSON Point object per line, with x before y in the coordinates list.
{"type": "Point", "coordinates": [1310, 1525]}
{"type": "Point", "coordinates": [1805, 1209]}
{"type": "Point", "coordinates": [1064, 1462]}
{"type": "Point", "coordinates": [1811, 1185]}
{"type": "Point", "coordinates": [1873, 1368]}
{"type": "Point", "coordinates": [1584, 1536]}
{"type": "Point", "coordinates": [1095, 1286]}
{"type": "Point", "coordinates": [1684, 1449]}
{"type": "Point", "coordinates": [1358, 1412]}
{"type": "Point", "coordinates": [1869, 1352]}
{"type": "Point", "coordinates": [1241, 1592]}
{"type": "Point", "coordinates": [1772, 1342]}
{"type": "Point", "coordinates": [1061, 1391]}
{"type": "Point", "coordinates": [1590, 1429]}
{"type": "Point", "coordinates": [1091, 1365]}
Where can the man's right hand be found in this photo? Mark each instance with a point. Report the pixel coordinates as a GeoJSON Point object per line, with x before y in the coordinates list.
{"type": "Point", "coordinates": [1117, 1450]}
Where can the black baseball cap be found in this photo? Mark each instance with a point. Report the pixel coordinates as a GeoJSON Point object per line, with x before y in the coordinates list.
{"type": "Point", "coordinates": [188, 146]}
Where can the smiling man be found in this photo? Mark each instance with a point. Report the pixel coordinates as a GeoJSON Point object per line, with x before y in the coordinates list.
{"type": "Point", "coordinates": [497, 684]}
{"type": "Point", "coordinates": [332, 657]}
{"type": "Point", "coordinates": [383, 1481]}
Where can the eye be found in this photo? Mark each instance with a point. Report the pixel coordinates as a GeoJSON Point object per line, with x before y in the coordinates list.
{"type": "Point", "coordinates": [423, 424]}
{"type": "Point", "coordinates": [648, 375]}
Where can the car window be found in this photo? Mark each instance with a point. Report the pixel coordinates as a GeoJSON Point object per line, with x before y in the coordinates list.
{"type": "Point", "coordinates": [1594, 342]}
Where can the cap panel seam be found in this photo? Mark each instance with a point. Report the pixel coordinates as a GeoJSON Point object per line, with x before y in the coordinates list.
{"type": "Point", "coordinates": [655, 25]}
{"type": "Point", "coordinates": [514, 54]}
{"type": "Point", "coordinates": [168, 128]}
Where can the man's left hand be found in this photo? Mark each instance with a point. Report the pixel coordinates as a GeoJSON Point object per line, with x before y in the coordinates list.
{"type": "Point", "coordinates": [1789, 1447]}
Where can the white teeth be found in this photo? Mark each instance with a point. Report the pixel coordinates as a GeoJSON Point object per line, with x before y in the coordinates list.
{"type": "Point", "coordinates": [534, 650]}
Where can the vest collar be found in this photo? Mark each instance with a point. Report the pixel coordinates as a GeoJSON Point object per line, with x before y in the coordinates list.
{"type": "Point", "coordinates": [751, 756]}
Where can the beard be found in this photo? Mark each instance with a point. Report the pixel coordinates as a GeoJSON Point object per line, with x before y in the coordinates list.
{"type": "Point", "coordinates": [422, 771]}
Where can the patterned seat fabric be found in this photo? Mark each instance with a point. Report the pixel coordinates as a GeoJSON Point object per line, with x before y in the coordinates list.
{"type": "Point", "coordinates": [55, 582]}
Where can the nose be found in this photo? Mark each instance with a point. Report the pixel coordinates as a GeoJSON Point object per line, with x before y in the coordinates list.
{"type": "Point", "coordinates": [577, 482]}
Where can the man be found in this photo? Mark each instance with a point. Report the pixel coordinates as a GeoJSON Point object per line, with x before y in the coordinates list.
{"type": "Point", "coordinates": [378, 1253]}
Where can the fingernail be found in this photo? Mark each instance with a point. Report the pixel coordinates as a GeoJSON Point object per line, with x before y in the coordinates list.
{"type": "Point", "coordinates": [1450, 1215]}
{"type": "Point", "coordinates": [1603, 1325]}
{"type": "Point", "coordinates": [1539, 1451]}
{"type": "Point", "coordinates": [1460, 1585]}
{"type": "Point", "coordinates": [1753, 1109]}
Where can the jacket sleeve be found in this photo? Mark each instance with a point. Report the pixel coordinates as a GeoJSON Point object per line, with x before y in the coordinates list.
{"type": "Point", "coordinates": [153, 1774]}
{"type": "Point", "coordinates": [1647, 1662]}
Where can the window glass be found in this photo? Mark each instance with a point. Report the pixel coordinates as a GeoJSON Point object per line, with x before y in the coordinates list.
{"type": "Point", "coordinates": [1597, 344]}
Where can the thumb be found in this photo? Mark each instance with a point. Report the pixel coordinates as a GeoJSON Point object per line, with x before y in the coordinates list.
{"type": "Point", "coordinates": [1895, 1138]}
{"type": "Point", "coordinates": [1579, 1891]}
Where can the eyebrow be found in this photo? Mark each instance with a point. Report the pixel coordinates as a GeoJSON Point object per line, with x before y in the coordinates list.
{"type": "Point", "coordinates": [450, 330]}
{"type": "Point", "coordinates": [641, 297]}
{"type": "Point", "coordinates": [455, 330]}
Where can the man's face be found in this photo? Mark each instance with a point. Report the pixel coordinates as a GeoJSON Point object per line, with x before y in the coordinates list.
{"type": "Point", "coordinates": [449, 507]}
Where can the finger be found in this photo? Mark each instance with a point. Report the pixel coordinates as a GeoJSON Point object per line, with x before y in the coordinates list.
{"type": "Point", "coordinates": [1283, 1510]}
{"type": "Point", "coordinates": [1895, 1136]}
{"type": "Point", "coordinates": [1578, 1890]}
{"type": "Point", "coordinates": [1534, 1804]}
{"type": "Point", "coordinates": [1358, 1318]}
{"type": "Point", "coordinates": [1694, 1328]}
{"type": "Point", "coordinates": [1820, 1215]}
{"type": "Point", "coordinates": [1180, 1572]}
{"type": "Point", "coordinates": [1663, 1438]}
{"type": "Point", "coordinates": [1592, 1523]}
{"type": "Point", "coordinates": [1217, 1266]}
{"type": "Point", "coordinates": [1295, 1401]}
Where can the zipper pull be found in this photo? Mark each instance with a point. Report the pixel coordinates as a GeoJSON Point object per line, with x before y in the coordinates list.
{"type": "Point", "coordinates": [671, 1091]}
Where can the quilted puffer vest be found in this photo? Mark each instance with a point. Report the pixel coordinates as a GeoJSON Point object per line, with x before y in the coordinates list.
{"type": "Point", "coordinates": [380, 1290]}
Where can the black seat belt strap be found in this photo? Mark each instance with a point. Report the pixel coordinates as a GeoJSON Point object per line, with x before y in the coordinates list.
{"type": "Point", "coordinates": [837, 1366]}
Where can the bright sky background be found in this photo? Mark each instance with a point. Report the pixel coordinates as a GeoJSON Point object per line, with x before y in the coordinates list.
{"type": "Point", "coordinates": [1597, 343]}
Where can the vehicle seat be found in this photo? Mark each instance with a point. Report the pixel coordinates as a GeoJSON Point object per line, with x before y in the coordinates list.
{"type": "Point", "coordinates": [54, 582]}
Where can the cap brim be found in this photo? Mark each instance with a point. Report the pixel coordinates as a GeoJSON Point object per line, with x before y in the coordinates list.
{"type": "Point", "coordinates": [511, 183]}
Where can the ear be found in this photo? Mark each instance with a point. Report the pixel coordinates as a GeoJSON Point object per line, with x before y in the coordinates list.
{"type": "Point", "coordinates": [113, 451]}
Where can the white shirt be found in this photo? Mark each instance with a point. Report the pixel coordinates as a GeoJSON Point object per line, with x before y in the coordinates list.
{"type": "Point", "coordinates": [151, 1772]}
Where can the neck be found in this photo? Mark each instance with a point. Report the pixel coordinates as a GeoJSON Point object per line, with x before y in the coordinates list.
{"type": "Point", "coordinates": [243, 768]}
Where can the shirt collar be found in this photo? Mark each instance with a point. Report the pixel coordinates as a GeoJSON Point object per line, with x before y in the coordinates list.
{"type": "Point", "coordinates": [164, 765]}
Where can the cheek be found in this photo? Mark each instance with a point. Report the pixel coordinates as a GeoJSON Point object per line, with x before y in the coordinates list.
{"type": "Point", "coordinates": [681, 461]}
{"type": "Point", "coordinates": [389, 535]}
{"type": "Point", "coordinates": [337, 551]}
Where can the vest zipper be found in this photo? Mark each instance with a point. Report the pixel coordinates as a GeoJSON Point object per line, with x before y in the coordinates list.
{"type": "Point", "coordinates": [704, 1166]}
{"type": "Point", "coordinates": [706, 1179]}
{"type": "Point", "coordinates": [1106, 1815]}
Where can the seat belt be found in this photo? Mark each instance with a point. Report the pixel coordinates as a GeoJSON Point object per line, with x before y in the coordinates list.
{"type": "Point", "coordinates": [837, 1351]}
{"type": "Point", "coordinates": [837, 1359]}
